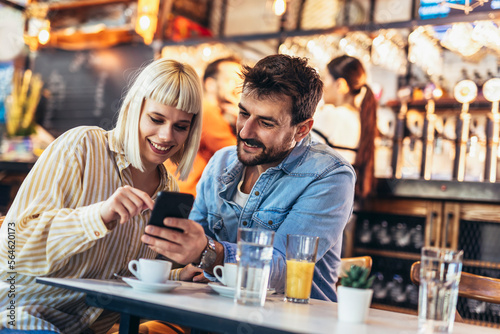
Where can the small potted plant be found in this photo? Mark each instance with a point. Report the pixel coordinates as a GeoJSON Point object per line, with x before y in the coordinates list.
{"type": "Point", "coordinates": [355, 294]}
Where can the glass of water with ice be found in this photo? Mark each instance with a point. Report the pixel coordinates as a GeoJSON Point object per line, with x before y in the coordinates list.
{"type": "Point", "coordinates": [440, 271]}
{"type": "Point", "coordinates": [255, 252]}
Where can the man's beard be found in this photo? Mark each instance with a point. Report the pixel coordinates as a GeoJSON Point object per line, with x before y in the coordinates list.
{"type": "Point", "coordinates": [268, 155]}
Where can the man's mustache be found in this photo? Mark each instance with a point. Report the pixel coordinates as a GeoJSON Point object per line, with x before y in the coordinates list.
{"type": "Point", "coordinates": [251, 142]}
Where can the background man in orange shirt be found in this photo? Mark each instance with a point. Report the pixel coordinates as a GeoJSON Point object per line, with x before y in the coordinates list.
{"type": "Point", "coordinates": [221, 90]}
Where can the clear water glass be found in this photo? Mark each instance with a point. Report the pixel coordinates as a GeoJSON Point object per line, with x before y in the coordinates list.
{"type": "Point", "coordinates": [255, 252]}
{"type": "Point", "coordinates": [440, 271]}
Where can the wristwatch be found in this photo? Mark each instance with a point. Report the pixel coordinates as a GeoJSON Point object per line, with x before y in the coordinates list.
{"type": "Point", "coordinates": [208, 256]}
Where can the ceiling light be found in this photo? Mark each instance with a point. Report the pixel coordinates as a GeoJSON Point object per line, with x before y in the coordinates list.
{"type": "Point", "coordinates": [43, 36]}
{"type": "Point", "coordinates": [147, 19]}
{"type": "Point", "coordinates": [279, 7]}
{"type": "Point", "coordinates": [144, 22]}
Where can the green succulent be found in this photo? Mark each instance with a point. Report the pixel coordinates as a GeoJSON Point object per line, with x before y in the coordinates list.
{"type": "Point", "coordinates": [357, 277]}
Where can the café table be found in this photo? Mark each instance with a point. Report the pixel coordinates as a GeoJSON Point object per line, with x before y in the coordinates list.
{"type": "Point", "coordinates": [197, 306]}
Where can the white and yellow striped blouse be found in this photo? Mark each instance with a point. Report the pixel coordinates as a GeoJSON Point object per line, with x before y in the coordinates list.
{"type": "Point", "coordinates": [59, 233]}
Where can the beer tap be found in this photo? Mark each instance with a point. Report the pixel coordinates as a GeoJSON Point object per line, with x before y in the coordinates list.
{"type": "Point", "coordinates": [491, 92]}
{"type": "Point", "coordinates": [404, 95]}
{"type": "Point", "coordinates": [431, 93]}
{"type": "Point", "coordinates": [465, 92]}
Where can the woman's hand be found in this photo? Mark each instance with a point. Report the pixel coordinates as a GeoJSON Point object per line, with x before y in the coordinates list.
{"type": "Point", "coordinates": [125, 203]}
{"type": "Point", "coordinates": [192, 273]}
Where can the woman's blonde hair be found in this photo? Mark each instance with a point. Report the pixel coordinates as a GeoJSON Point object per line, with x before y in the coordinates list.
{"type": "Point", "coordinates": [170, 83]}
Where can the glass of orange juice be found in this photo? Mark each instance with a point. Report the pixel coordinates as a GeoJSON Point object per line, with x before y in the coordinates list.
{"type": "Point", "coordinates": [301, 253]}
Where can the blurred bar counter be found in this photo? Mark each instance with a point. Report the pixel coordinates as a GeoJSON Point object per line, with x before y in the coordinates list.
{"type": "Point", "coordinates": [15, 166]}
{"type": "Point", "coordinates": [485, 192]}
{"type": "Point", "coordinates": [12, 174]}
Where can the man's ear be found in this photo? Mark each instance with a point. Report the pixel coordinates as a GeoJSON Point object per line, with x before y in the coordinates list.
{"type": "Point", "coordinates": [303, 129]}
{"type": "Point", "coordinates": [343, 87]}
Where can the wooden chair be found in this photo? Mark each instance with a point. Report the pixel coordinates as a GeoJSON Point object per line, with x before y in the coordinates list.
{"type": "Point", "coordinates": [347, 262]}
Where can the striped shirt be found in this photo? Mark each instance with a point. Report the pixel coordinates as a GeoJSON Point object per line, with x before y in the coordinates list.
{"type": "Point", "coordinates": [59, 233]}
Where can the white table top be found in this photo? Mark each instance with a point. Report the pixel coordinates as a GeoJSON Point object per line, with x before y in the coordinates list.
{"type": "Point", "coordinates": [315, 317]}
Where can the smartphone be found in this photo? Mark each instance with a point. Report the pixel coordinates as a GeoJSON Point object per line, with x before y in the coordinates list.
{"type": "Point", "coordinates": [171, 204]}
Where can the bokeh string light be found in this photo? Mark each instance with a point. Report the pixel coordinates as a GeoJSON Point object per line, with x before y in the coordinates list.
{"type": "Point", "coordinates": [424, 51]}
{"type": "Point", "coordinates": [388, 51]}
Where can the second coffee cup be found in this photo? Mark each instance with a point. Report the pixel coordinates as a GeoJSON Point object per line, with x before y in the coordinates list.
{"type": "Point", "coordinates": [228, 274]}
{"type": "Point", "coordinates": [150, 271]}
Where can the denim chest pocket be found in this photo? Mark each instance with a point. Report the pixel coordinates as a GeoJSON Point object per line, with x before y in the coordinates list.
{"type": "Point", "coordinates": [269, 219]}
{"type": "Point", "coordinates": [216, 224]}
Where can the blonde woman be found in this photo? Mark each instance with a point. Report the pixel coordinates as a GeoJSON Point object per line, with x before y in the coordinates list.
{"type": "Point", "coordinates": [82, 209]}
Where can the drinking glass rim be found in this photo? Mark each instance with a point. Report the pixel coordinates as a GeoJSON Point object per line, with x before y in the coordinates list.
{"type": "Point", "coordinates": [253, 229]}
{"type": "Point", "coordinates": [302, 236]}
{"type": "Point", "coordinates": [442, 249]}
{"type": "Point", "coordinates": [265, 237]}
{"type": "Point", "coordinates": [448, 252]}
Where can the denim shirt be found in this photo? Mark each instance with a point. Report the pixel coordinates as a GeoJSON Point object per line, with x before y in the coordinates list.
{"type": "Point", "coordinates": [310, 192]}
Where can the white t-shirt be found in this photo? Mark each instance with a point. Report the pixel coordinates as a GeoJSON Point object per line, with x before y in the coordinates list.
{"type": "Point", "coordinates": [341, 126]}
{"type": "Point", "coordinates": [240, 197]}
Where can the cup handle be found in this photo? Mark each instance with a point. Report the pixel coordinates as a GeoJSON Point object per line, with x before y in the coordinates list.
{"type": "Point", "coordinates": [221, 276]}
{"type": "Point", "coordinates": [133, 270]}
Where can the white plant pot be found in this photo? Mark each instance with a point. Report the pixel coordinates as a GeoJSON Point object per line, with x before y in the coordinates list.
{"type": "Point", "coordinates": [353, 304]}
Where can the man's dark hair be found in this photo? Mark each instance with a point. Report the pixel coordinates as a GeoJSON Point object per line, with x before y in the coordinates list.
{"type": "Point", "coordinates": [278, 75]}
{"type": "Point", "coordinates": [213, 68]}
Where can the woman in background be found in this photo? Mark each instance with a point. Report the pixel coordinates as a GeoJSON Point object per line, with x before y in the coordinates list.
{"type": "Point", "coordinates": [81, 211]}
{"type": "Point", "coordinates": [350, 127]}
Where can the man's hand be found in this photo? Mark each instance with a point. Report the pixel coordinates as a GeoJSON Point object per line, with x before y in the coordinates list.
{"type": "Point", "coordinates": [182, 247]}
{"type": "Point", "coordinates": [125, 203]}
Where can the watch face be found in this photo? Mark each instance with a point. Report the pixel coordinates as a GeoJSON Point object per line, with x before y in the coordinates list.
{"type": "Point", "coordinates": [209, 258]}
{"type": "Point", "coordinates": [209, 255]}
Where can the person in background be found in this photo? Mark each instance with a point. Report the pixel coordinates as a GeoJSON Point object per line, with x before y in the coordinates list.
{"type": "Point", "coordinates": [275, 178]}
{"type": "Point", "coordinates": [351, 126]}
{"type": "Point", "coordinates": [83, 206]}
{"type": "Point", "coordinates": [221, 89]}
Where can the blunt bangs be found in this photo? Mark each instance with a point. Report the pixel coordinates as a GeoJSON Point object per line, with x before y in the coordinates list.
{"type": "Point", "coordinates": [174, 87]}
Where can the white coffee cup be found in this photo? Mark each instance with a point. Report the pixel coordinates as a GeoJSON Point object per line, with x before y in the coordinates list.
{"type": "Point", "coordinates": [228, 274]}
{"type": "Point", "coordinates": [150, 271]}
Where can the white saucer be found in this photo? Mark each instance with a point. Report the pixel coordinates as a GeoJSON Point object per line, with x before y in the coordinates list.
{"type": "Point", "coordinates": [226, 291]}
{"type": "Point", "coordinates": [150, 287]}
{"type": "Point", "coordinates": [222, 289]}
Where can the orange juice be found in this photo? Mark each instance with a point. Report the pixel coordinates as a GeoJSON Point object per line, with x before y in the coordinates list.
{"type": "Point", "coordinates": [299, 276]}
